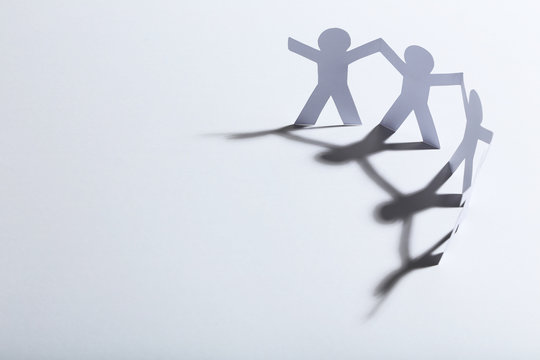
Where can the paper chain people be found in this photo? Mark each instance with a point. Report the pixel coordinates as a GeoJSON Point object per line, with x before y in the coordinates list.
{"type": "Point", "coordinates": [333, 60]}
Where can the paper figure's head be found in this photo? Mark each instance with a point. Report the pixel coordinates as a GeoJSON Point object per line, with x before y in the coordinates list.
{"type": "Point", "coordinates": [419, 59]}
{"type": "Point", "coordinates": [334, 39]}
{"type": "Point", "coordinates": [475, 107]}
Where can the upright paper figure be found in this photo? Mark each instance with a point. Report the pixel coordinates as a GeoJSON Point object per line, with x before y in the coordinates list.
{"type": "Point", "coordinates": [473, 133]}
{"type": "Point", "coordinates": [417, 81]}
{"type": "Point", "coordinates": [333, 61]}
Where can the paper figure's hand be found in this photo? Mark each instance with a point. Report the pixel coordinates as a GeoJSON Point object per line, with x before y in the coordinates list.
{"type": "Point", "coordinates": [362, 51]}
{"type": "Point", "coordinates": [485, 135]}
{"type": "Point", "coordinates": [303, 50]}
{"type": "Point", "coordinates": [392, 57]}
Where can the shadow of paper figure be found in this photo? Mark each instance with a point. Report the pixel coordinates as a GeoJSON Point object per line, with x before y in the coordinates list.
{"type": "Point", "coordinates": [407, 205]}
{"type": "Point", "coordinates": [408, 264]}
{"type": "Point", "coordinates": [373, 143]}
{"type": "Point", "coordinates": [332, 60]}
{"type": "Point", "coordinates": [402, 207]}
{"type": "Point", "coordinates": [417, 82]}
{"type": "Point", "coordinates": [256, 134]}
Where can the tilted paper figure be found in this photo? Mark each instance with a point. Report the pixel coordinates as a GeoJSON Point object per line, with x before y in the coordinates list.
{"type": "Point", "coordinates": [473, 133]}
{"type": "Point", "coordinates": [417, 81]}
{"type": "Point", "coordinates": [333, 61]}
{"type": "Point", "coordinates": [428, 196]}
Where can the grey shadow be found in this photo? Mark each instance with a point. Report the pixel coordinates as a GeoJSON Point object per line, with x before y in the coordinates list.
{"type": "Point", "coordinates": [374, 142]}
{"type": "Point", "coordinates": [402, 207]}
{"type": "Point", "coordinates": [427, 259]}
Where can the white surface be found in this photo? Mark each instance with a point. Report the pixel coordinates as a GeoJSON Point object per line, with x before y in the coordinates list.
{"type": "Point", "coordinates": [128, 232]}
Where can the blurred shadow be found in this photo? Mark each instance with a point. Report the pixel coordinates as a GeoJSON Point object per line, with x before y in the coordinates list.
{"type": "Point", "coordinates": [374, 142]}
{"type": "Point", "coordinates": [405, 205]}
{"type": "Point", "coordinates": [402, 207]}
{"type": "Point", "coordinates": [408, 264]}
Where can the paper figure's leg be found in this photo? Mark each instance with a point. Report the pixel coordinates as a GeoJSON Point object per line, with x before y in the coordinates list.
{"type": "Point", "coordinates": [457, 158]}
{"type": "Point", "coordinates": [396, 115]}
{"type": "Point", "coordinates": [311, 111]}
{"type": "Point", "coordinates": [346, 107]}
{"type": "Point", "coordinates": [427, 127]}
{"type": "Point", "coordinates": [468, 174]}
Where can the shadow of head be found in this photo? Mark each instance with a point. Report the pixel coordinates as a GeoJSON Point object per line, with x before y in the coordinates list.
{"type": "Point", "coordinates": [399, 208]}
{"type": "Point", "coordinates": [407, 205]}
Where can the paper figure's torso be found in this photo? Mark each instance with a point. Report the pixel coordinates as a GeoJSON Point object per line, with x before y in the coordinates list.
{"type": "Point", "coordinates": [416, 89]}
{"type": "Point", "coordinates": [332, 72]}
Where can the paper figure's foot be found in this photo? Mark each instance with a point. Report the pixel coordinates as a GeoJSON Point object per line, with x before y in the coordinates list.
{"type": "Point", "coordinates": [301, 124]}
{"type": "Point", "coordinates": [388, 126]}
{"type": "Point", "coordinates": [433, 143]}
{"type": "Point", "coordinates": [352, 123]}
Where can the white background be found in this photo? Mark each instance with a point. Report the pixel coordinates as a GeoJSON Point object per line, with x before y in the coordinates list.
{"type": "Point", "coordinates": [131, 229]}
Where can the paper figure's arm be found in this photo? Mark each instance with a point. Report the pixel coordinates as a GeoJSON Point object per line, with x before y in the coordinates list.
{"type": "Point", "coordinates": [303, 50]}
{"type": "Point", "coordinates": [485, 135]}
{"type": "Point", "coordinates": [392, 57]}
{"type": "Point", "coordinates": [446, 79]}
{"type": "Point", "coordinates": [362, 51]}
{"type": "Point", "coordinates": [465, 99]}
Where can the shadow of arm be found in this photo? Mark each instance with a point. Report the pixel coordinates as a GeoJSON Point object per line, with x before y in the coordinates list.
{"type": "Point", "coordinates": [375, 176]}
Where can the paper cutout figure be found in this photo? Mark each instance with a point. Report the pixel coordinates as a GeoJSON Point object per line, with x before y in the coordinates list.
{"type": "Point", "coordinates": [465, 152]}
{"type": "Point", "coordinates": [417, 81]}
{"type": "Point", "coordinates": [473, 133]}
{"type": "Point", "coordinates": [333, 61]}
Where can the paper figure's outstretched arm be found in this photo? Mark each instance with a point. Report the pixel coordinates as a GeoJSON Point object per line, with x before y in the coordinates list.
{"type": "Point", "coordinates": [303, 50]}
{"type": "Point", "coordinates": [392, 57]}
{"type": "Point", "coordinates": [362, 51]}
{"type": "Point", "coordinates": [446, 79]}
